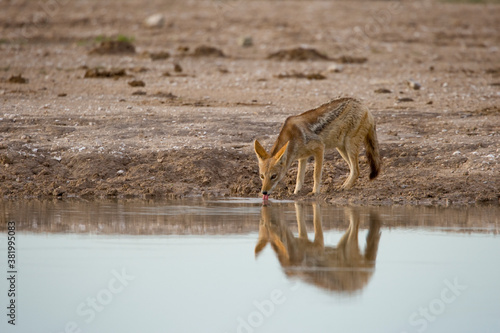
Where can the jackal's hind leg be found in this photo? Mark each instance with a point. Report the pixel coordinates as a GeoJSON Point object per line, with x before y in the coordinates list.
{"type": "Point", "coordinates": [342, 151]}
{"type": "Point", "coordinates": [352, 154]}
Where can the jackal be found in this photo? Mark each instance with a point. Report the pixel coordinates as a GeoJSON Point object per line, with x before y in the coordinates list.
{"type": "Point", "coordinates": [343, 123]}
{"type": "Point", "coordinates": [342, 268]}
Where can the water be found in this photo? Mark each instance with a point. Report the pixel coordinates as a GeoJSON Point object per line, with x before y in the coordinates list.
{"type": "Point", "coordinates": [192, 267]}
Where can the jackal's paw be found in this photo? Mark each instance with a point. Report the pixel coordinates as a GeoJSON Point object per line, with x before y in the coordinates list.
{"type": "Point", "coordinates": [345, 187]}
{"type": "Point", "coordinates": [312, 194]}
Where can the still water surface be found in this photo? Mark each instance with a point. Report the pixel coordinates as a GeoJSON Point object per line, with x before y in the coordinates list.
{"type": "Point", "coordinates": [237, 266]}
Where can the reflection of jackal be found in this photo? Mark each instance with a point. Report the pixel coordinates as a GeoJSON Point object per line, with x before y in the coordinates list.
{"type": "Point", "coordinates": [344, 123]}
{"type": "Point", "coordinates": [341, 268]}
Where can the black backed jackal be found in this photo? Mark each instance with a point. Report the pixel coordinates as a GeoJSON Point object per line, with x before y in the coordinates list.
{"type": "Point", "coordinates": [343, 123]}
{"type": "Point", "coordinates": [342, 268]}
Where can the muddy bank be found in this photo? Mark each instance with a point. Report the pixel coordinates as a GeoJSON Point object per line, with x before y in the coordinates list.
{"type": "Point", "coordinates": [216, 173]}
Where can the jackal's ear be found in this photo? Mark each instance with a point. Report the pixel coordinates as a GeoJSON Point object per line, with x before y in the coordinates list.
{"type": "Point", "coordinates": [281, 155]}
{"type": "Point", "coordinates": [260, 151]}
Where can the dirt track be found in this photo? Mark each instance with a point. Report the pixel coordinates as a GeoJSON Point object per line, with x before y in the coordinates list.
{"type": "Point", "coordinates": [77, 127]}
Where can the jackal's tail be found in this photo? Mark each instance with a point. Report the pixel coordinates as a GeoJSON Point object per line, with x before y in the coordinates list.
{"type": "Point", "coordinates": [372, 152]}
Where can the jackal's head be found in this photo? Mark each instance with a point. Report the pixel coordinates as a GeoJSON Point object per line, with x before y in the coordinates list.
{"type": "Point", "coordinates": [271, 168]}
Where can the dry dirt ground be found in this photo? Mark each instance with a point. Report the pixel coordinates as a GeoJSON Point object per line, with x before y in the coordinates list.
{"type": "Point", "coordinates": [94, 103]}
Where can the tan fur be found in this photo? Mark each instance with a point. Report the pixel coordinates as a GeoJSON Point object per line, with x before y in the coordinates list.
{"type": "Point", "coordinates": [343, 124]}
{"type": "Point", "coordinates": [340, 268]}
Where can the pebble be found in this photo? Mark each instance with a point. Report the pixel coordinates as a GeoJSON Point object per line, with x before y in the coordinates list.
{"type": "Point", "coordinates": [457, 153]}
{"type": "Point", "coordinates": [335, 68]}
{"type": "Point", "coordinates": [414, 84]}
{"type": "Point", "coordinates": [155, 21]}
{"type": "Point", "coordinates": [405, 99]}
{"type": "Point", "coordinates": [245, 41]}
{"type": "Point", "coordinates": [120, 172]}
{"type": "Point", "coordinates": [136, 83]}
{"type": "Point", "coordinates": [382, 91]}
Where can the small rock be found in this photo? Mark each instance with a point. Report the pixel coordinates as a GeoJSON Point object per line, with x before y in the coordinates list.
{"type": "Point", "coordinates": [245, 41]}
{"type": "Point", "coordinates": [345, 59]}
{"type": "Point", "coordinates": [139, 93]}
{"type": "Point", "coordinates": [207, 51]}
{"type": "Point", "coordinates": [136, 83]}
{"type": "Point", "coordinates": [222, 69]}
{"type": "Point", "coordinates": [155, 21]}
{"type": "Point", "coordinates": [457, 153]}
{"type": "Point", "coordinates": [62, 95]}
{"type": "Point", "coordinates": [120, 172]}
{"type": "Point", "coordinates": [383, 91]}
{"type": "Point", "coordinates": [404, 99]}
{"type": "Point", "coordinates": [159, 55]}
{"type": "Point", "coordinates": [113, 47]}
{"type": "Point", "coordinates": [161, 94]}
{"type": "Point", "coordinates": [414, 84]}
{"type": "Point", "coordinates": [177, 68]}
{"type": "Point", "coordinates": [335, 68]}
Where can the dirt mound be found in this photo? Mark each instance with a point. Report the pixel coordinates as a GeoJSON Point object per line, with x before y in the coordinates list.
{"type": "Point", "coordinates": [298, 54]}
{"type": "Point", "coordinates": [136, 83]}
{"type": "Point", "coordinates": [143, 175]}
{"type": "Point", "coordinates": [113, 47]}
{"type": "Point", "coordinates": [17, 79]}
{"type": "Point", "coordinates": [489, 111]}
{"type": "Point", "coordinates": [162, 55]}
{"type": "Point", "coordinates": [310, 76]}
{"type": "Point", "coordinates": [207, 51]}
{"type": "Point", "coordinates": [105, 73]}
{"type": "Point", "coordinates": [345, 59]}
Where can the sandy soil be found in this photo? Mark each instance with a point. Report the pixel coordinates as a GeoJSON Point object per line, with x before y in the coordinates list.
{"type": "Point", "coordinates": [94, 104]}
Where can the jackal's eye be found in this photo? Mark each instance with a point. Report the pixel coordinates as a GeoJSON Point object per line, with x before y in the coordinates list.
{"type": "Point", "coordinates": [273, 177]}
{"type": "Point", "coordinates": [261, 176]}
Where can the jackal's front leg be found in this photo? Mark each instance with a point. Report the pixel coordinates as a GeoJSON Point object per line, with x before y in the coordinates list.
{"type": "Point", "coordinates": [300, 175]}
{"type": "Point", "coordinates": [318, 168]}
